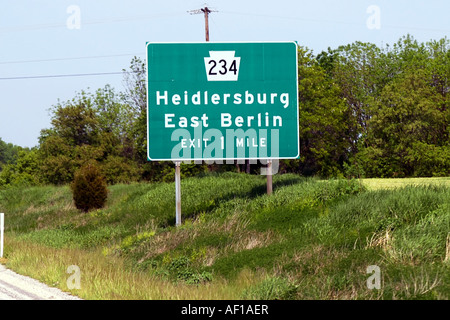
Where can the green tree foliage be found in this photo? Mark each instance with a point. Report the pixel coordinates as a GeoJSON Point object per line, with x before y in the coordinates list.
{"type": "Point", "coordinates": [323, 120]}
{"type": "Point", "coordinates": [89, 127]}
{"type": "Point", "coordinates": [397, 115]}
{"type": "Point", "coordinates": [409, 124]}
{"type": "Point", "coordinates": [18, 166]}
{"type": "Point", "coordinates": [89, 188]}
{"type": "Point", "coordinates": [8, 153]}
{"type": "Point", "coordinates": [358, 73]}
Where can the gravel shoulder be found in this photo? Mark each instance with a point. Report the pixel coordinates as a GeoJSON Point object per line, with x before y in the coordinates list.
{"type": "Point", "coordinates": [14, 286]}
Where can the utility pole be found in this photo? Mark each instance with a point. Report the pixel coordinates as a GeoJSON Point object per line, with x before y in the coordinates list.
{"type": "Point", "coordinates": [206, 11]}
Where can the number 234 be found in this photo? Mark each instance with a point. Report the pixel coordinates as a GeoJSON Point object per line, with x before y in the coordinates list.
{"type": "Point", "coordinates": [222, 67]}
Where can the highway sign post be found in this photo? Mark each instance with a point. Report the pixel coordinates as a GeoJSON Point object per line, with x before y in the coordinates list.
{"type": "Point", "coordinates": [222, 101]}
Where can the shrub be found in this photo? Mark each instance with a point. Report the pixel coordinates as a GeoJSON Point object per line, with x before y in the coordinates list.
{"type": "Point", "coordinates": [89, 188]}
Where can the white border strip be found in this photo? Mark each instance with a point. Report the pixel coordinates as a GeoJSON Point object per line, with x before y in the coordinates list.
{"type": "Point", "coordinates": [2, 227]}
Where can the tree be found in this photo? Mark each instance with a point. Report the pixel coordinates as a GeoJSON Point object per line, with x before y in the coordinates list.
{"type": "Point", "coordinates": [24, 171]}
{"type": "Point", "coordinates": [358, 72]}
{"type": "Point", "coordinates": [323, 121]}
{"type": "Point", "coordinates": [76, 122]}
{"type": "Point", "coordinates": [409, 129]}
{"type": "Point", "coordinates": [136, 97]}
{"type": "Point", "coordinates": [89, 127]}
{"type": "Point", "coordinates": [8, 153]}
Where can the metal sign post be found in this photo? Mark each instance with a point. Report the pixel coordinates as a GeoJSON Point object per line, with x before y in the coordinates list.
{"type": "Point", "coordinates": [269, 177]}
{"type": "Point", "coordinates": [177, 194]}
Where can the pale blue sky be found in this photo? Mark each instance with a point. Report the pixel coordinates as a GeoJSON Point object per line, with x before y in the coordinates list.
{"type": "Point", "coordinates": [35, 40]}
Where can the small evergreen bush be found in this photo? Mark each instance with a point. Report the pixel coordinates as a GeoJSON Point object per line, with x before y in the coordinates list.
{"type": "Point", "coordinates": [89, 188]}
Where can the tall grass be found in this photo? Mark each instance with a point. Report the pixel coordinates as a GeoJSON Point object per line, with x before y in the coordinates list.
{"type": "Point", "coordinates": [310, 239]}
{"type": "Point", "coordinates": [109, 278]}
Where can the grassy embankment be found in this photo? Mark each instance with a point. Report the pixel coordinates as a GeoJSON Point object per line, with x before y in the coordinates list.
{"type": "Point", "coordinates": [311, 239]}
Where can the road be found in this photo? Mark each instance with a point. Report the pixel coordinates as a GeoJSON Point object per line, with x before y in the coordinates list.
{"type": "Point", "coordinates": [14, 286]}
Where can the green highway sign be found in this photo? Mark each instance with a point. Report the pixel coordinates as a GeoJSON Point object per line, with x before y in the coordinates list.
{"type": "Point", "coordinates": [220, 101]}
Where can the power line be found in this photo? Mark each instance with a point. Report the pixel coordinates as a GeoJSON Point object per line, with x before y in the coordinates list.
{"type": "Point", "coordinates": [71, 58]}
{"type": "Point", "coordinates": [332, 21]}
{"type": "Point", "coordinates": [66, 75]}
{"type": "Point", "coordinates": [87, 22]}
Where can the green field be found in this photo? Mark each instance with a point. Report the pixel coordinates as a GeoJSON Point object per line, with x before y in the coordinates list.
{"type": "Point", "coordinates": [378, 183]}
{"type": "Point", "coordinates": [311, 239]}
